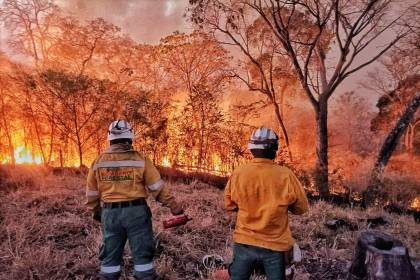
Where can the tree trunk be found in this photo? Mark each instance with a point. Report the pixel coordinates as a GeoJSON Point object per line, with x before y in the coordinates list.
{"type": "Point", "coordinates": [80, 155]}
{"type": "Point", "coordinates": [387, 149]}
{"type": "Point", "coordinates": [283, 128]}
{"type": "Point", "coordinates": [38, 138]}
{"type": "Point", "coordinates": [379, 256]}
{"type": "Point", "coordinates": [35, 123]}
{"type": "Point", "coordinates": [201, 143]}
{"type": "Point", "coordinates": [11, 147]}
{"type": "Point", "coordinates": [11, 150]}
{"type": "Point", "coordinates": [80, 150]}
{"type": "Point", "coordinates": [321, 171]}
{"type": "Point", "coordinates": [61, 158]}
{"type": "Point", "coordinates": [52, 139]}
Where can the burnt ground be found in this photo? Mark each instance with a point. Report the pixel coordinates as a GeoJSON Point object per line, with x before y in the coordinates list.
{"type": "Point", "coordinates": [46, 232]}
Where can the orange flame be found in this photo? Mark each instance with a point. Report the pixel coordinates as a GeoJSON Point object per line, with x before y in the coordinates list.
{"type": "Point", "coordinates": [22, 155]}
{"type": "Point", "coordinates": [166, 162]}
{"type": "Point", "coordinates": [415, 204]}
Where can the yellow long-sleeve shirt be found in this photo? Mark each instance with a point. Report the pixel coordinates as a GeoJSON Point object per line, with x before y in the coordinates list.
{"type": "Point", "coordinates": [122, 174]}
{"type": "Point", "coordinates": [263, 192]}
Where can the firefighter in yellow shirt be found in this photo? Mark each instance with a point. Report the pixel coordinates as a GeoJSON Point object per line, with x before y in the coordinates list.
{"type": "Point", "coordinates": [118, 184]}
{"type": "Point", "coordinates": [263, 193]}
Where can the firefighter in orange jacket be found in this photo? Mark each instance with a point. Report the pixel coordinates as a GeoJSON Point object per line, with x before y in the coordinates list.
{"type": "Point", "coordinates": [118, 184]}
{"type": "Point", "coordinates": [262, 193]}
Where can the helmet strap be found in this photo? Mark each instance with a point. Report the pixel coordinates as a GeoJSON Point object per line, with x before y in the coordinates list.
{"type": "Point", "coordinates": [264, 153]}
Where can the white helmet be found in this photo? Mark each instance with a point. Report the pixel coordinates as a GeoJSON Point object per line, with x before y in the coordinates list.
{"type": "Point", "coordinates": [263, 139]}
{"type": "Point", "coordinates": [120, 129]}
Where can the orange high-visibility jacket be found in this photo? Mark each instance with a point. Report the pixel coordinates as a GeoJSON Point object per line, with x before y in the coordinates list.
{"type": "Point", "coordinates": [263, 192]}
{"type": "Point", "coordinates": [123, 175]}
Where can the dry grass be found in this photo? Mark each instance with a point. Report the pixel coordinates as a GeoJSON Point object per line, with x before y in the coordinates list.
{"type": "Point", "coordinates": [46, 233]}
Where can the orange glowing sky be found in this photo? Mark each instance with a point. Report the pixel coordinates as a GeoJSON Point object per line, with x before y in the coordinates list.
{"type": "Point", "coordinates": [145, 20]}
{"type": "Point", "coordinates": [149, 20]}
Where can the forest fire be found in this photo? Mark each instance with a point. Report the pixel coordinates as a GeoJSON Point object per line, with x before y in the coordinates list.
{"type": "Point", "coordinates": [181, 95]}
{"type": "Point", "coordinates": [24, 156]}
{"type": "Point", "coordinates": [253, 107]}
{"type": "Point", "coordinates": [415, 204]}
{"type": "Point", "coordinates": [166, 162]}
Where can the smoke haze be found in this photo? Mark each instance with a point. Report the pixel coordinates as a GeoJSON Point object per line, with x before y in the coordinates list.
{"type": "Point", "coordinates": [145, 20]}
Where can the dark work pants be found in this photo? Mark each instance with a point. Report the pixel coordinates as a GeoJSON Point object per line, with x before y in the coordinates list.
{"type": "Point", "coordinates": [246, 257]}
{"type": "Point", "coordinates": [132, 223]}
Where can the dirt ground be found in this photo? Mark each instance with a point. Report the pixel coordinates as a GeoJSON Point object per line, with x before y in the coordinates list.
{"type": "Point", "coordinates": [46, 233]}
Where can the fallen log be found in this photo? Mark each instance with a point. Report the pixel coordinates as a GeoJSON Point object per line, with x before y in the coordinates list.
{"type": "Point", "coordinates": [379, 256]}
{"type": "Point", "coordinates": [175, 175]}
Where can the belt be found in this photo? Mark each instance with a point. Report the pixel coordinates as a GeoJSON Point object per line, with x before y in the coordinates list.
{"type": "Point", "coordinates": [124, 204]}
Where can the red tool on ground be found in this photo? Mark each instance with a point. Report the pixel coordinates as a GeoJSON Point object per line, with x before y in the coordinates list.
{"type": "Point", "coordinates": [176, 221]}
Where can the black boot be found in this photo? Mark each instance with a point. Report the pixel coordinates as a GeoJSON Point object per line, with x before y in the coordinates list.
{"type": "Point", "coordinates": [154, 276]}
{"type": "Point", "coordinates": [108, 276]}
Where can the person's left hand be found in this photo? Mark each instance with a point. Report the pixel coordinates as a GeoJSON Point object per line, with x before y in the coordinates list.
{"type": "Point", "coordinates": [97, 214]}
{"type": "Point", "coordinates": [288, 257]}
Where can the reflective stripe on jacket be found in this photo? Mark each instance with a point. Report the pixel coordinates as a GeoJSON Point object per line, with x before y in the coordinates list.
{"type": "Point", "coordinates": [262, 192]}
{"type": "Point", "coordinates": [122, 174]}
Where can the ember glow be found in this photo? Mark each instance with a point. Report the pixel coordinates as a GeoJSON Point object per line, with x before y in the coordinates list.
{"type": "Point", "coordinates": [415, 203]}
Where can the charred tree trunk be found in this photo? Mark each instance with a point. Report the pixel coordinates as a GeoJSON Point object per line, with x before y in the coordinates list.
{"type": "Point", "coordinates": [283, 128]}
{"type": "Point", "coordinates": [35, 124]}
{"type": "Point", "coordinates": [11, 148]}
{"type": "Point", "coordinates": [321, 172]}
{"type": "Point", "coordinates": [378, 256]}
{"type": "Point", "coordinates": [39, 140]}
{"type": "Point", "coordinates": [201, 140]}
{"type": "Point", "coordinates": [387, 149]}
{"type": "Point", "coordinates": [79, 147]}
{"type": "Point", "coordinates": [61, 158]}
{"type": "Point", "coordinates": [52, 139]}
{"type": "Point", "coordinates": [5, 120]}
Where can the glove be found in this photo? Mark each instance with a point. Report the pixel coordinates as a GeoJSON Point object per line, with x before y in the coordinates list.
{"type": "Point", "coordinates": [97, 214]}
{"type": "Point", "coordinates": [288, 257]}
{"type": "Point", "coordinates": [176, 208]}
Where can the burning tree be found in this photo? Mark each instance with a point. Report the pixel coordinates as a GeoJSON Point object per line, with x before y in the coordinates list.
{"type": "Point", "coordinates": [7, 113]}
{"type": "Point", "coordinates": [397, 82]}
{"type": "Point", "coordinates": [80, 103]}
{"type": "Point", "coordinates": [199, 65]}
{"type": "Point", "coordinates": [391, 107]}
{"type": "Point", "coordinates": [346, 28]}
{"type": "Point", "coordinates": [200, 125]}
{"type": "Point", "coordinates": [149, 116]}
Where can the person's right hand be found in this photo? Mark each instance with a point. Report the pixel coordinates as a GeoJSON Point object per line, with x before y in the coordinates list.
{"type": "Point", "coordinates": [288, 257]}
